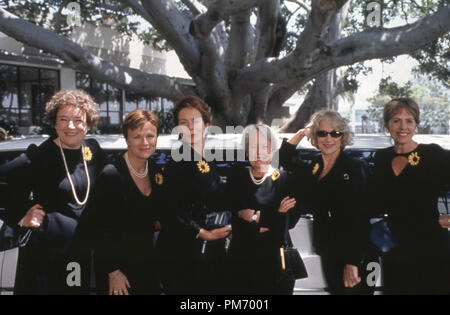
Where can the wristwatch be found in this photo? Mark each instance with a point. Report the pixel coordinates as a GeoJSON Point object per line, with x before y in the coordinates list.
{"type": "Point", "coordinates": [255, 216]}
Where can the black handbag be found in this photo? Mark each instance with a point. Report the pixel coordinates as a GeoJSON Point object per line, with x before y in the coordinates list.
{"type": "Point", "coordinates": [291, 262]}
{"type": "Point", "coordinates": [216, 220]}
{"type": "Point", "coordinates": [10, 242]}
{"type": "Point", "coordinates": [382, 236]}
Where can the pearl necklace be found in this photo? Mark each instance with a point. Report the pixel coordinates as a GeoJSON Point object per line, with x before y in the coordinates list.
{"type": "Point", "coordinates": [133, 171]}
{"type": "Point", "coordinates": [72, 187]}
{"type": "Point", "coordinates": [261, 180]}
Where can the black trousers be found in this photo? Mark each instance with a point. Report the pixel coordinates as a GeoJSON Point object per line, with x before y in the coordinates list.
{"type": "Point", "coordinates": [195, 268]}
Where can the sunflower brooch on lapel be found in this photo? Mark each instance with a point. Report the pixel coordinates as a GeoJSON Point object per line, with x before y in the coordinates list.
{"type": "Point", "coordinates": [413, 159]}
{"type": "Point", "coordinates": [159, 179]}
{"type": "Point", "coordinates": [275, 175]}
{"type": "Point", "coordinates": [315, 169]}
{"type": "Point", "coordinates": [87, 154]}
{"type": "Point", "coordinates": [203, 167]}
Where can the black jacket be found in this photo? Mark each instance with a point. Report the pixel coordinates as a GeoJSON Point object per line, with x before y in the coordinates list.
{"type": "Point", "coordinates": [338, 203]}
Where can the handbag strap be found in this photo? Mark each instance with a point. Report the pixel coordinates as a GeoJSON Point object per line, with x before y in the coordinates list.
{"type": "Point", "coordinates": [445, 200]}
{"type": "Point", "coordinates": [286, 239]}
{"type": "Point", "coordinates": [25, 238]}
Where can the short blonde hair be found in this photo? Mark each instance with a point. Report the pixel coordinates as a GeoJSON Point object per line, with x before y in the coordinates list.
{"type": "Point", "coordinates": [75, 98]}
{"type": "Point", "coordinates": [336, 120]}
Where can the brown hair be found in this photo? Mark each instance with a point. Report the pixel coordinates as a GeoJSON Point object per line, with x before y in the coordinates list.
{"type": "Point", "coordinates": [194, 102]}
{"type": "Point", "coordinates": [393, 106]}
{"type": "Point", "coordinates": [137, 118]}
{"type": "Point", "coordinates": [75, 98]}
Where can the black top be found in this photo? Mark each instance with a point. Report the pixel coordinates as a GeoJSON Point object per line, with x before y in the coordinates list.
{"type": "Point", "coordinates": [126, 218]}
{"type": "Point", "coordinates": [266, 197]}
{"type": "Point", "coordinates": [41, 170]}
{"type": "Point", "coordinates": [410, 199]}
{"type": "Point", "coordinates": [338, 203]}
{"type": "Point", "coordinates": [193, 189]}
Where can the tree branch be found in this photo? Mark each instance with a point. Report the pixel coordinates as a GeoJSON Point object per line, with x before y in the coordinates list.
{"type": "Point", "coordinates": [118, 7]}
{"type": "Point", "coordinates": [239, 46]}
{"type": "Point", "coordinates": [374, 43]}
{"type": "Point", "coordinates": [319, 19]}
{"type": "Point", "coordinates": [218, 11]}
{"type": "Point", "coordinates": [266, 29]}
{"type": "Point", "coordinates": [173, 25]}
{"type": "Point", "coordinates": [194, 6]}
{"type": "Point", "coordinates": [301, 4]}
{"type": "Point", "coordinates": [154, 85]}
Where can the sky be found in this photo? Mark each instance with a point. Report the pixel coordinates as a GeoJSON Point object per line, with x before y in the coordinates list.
{"type": "Point", "coordinates": [400, 71]}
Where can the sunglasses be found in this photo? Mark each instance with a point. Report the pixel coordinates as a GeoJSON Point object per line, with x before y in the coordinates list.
{"type": "Point", "coordinates": [333, 134]}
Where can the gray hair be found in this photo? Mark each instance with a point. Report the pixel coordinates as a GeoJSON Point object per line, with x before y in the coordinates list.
{"type": "Point", "coordinates": [264, 130]}
{"type": "Point", "coordinates": [336, 120]}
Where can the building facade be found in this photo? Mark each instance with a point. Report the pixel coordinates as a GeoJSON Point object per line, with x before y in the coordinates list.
{"type": "Point", "coordinates": [28, 78]}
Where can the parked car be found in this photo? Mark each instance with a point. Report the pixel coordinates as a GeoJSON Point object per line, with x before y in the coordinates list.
{"type": "Point", "coordinates": [225, 149]}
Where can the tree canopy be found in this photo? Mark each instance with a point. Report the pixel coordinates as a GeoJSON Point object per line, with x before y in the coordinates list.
{"type": "Point", "coordinates": [246, 57]}
{"type": "Point", "coordinates": [432, 96]}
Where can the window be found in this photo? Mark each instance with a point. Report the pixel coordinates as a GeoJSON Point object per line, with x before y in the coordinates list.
{"type": "Point", "coordinates": [24, 92]}
{"type": "Point", "coordinates": [108, 98]}
{"type": "Point", "coordinates": [115, 103]}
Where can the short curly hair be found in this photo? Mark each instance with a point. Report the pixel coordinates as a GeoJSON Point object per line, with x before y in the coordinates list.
{"type": "Point", "coordinates": [75, 98]}
{"type": "Point", "coordinates": [336, 120]}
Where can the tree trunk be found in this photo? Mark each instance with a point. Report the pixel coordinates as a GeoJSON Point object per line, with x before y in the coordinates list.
{"type": "Point", "coordinates": [323, 92]}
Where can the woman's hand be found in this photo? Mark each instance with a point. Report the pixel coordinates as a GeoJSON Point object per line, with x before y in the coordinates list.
{"type": "Point", "coordinates": [351, 277]}
{"type": "Point", "coordinates": [118, 283]}
{"type": "Point", "coordinates": [305, 132]}
{"type": "Point", "coordinates": [286, 204]}
{"type": "Point", "coordinates": [247, 214]}
{"type": "Point", "coordinates": [34, 217]}
{"type": "Point", "coordinates": [444, 221]}
{"type": "Point", "coordinates": [215, 234]}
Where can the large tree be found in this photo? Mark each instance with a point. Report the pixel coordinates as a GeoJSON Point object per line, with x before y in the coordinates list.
{"type": "Point", "coordinates": [231, 49]}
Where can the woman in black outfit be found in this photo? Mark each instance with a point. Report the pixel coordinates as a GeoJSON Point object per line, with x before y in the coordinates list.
{"type": "Point", "coordinates": [127, 202]}
{"type": "Point", "coordinates": [337, 189]}
{"type": "Point", "coordinates": [408, 179]}
{"type": "Point", "coordinates": [260, 197]}
{"type": "Point", "coordinates": [49, 187]}
{"type": "Point", "coordinates": [193, 251]}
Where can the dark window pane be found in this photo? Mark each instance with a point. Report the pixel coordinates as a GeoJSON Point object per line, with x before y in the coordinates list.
{"type": "Point", "coordinates": [114, 98]}
{"type": "Point", "coordinates": [29, 96]}
{"type": "Point", "coordinates": [83, 81]}
{"type": "Point", "coordinates": [9, 102]}
{"type": "Point", "coordinates": [49, 85]}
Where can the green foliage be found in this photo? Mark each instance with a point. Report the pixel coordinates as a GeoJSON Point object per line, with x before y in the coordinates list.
{"type": "Point", "coordinates": [166, 122]}
{"type": "Point", "coordinates": [432, 96]}
{"type": "Point", "coordinates": [433, 59]}
{"type": "Point", "coordinates": [393, 90]}
{"type": "Point", "coordinates": [9, 124]}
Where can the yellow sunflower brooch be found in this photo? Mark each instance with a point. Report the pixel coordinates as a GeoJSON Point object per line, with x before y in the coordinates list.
{"type": "Point", "coordinates": [315, 169]}
{"type": "Point", "coordinates": [203, 167]}
{"type": "Point", "coordinates": [275, 175]}
{"type": "Point", "coordinates": [159, 179]}
{"type": "Point", "coordinates": [414, 159]}
{"type": "Point", "coordinates": [87, 154]}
